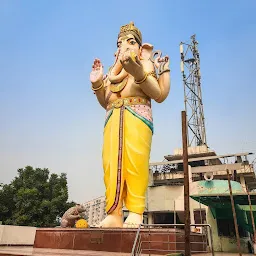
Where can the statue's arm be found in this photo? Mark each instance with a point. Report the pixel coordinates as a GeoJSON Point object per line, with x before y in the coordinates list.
{"type": "Point", "coordinates": [164, 82]}
{"type": "Point", "coordinates": [82, 214]}
{"type": "Point", "coordinates": [72, 217]}
{"type": "Point", "coordinates": [69, 214]}
{"type": "Point", "coordinates": [150, 86]}
{"type": "Point", "coordinates": [100, 93]}
{"type": "Point", "coordinates": [98, 82]}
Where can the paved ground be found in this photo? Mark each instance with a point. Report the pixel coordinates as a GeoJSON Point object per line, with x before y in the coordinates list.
{"type": "Point", "coordinates": [29, 251]}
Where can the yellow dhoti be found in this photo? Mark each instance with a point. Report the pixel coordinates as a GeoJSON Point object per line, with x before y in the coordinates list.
{"type": "Point", "coordinates": [126, 152]}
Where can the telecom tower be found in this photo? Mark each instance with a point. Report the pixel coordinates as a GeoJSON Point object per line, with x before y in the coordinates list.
{"type": "Point", "coordinates": [190, 69]}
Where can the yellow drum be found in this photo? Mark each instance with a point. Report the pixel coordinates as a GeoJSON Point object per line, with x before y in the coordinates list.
{"type": "Point", "coordinates": [82, 223]}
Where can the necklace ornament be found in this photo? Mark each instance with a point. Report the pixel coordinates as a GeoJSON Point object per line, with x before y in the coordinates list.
{"type": "Point", "coordinates": [118, 86]}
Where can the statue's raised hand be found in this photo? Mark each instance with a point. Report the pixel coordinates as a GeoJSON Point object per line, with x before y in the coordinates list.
{"type": "Point", "coordinates": [96, 75]}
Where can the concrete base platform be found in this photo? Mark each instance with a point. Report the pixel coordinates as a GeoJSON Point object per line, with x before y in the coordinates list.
{"type": "Point", "coordinates": [154, 241]}
{"type": "Point", "coordinates": [30, 251]}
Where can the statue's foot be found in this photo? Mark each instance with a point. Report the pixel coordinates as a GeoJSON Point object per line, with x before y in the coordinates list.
{"type": "Point", "coordinates": [133, 220]}
{"type": "Point", "coordinates": [112, 221]}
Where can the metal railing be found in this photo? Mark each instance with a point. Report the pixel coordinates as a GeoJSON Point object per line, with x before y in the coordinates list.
{"type": "Point", "coordinates": [168, 238]}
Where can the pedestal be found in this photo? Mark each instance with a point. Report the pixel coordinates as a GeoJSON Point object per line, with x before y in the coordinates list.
{"type": "Point", "coordinates": [154, 241]}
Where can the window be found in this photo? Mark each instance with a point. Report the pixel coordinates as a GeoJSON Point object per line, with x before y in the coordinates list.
{"type": "Point", "coordinates": [200, 216]}
{"type": "Point", "coordinates": [227, 228]}
{"type": "Point", "coordinates": [163, 218]}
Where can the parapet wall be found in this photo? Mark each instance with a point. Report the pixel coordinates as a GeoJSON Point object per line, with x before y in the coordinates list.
{"type": "Point", "coordinates": [17, 235]}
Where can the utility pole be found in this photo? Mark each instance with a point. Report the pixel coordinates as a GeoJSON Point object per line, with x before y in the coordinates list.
{"type": "Point", "coordinates": [186, 183]}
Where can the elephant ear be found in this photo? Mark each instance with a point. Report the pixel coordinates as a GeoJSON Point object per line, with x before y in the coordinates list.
{"type": "Point", "coordinates": [146, 51]}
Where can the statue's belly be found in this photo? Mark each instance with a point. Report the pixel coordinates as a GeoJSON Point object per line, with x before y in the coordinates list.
{"type": "Point", "coordinates": [130, 90]}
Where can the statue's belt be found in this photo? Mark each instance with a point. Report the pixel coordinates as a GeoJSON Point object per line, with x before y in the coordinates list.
{"type": "Point", "coordinates": [129, 101]}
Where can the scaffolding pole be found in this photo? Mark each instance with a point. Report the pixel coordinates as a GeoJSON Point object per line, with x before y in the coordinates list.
{"type": "Point", "coordinates": [174, 217]}
{"type": "Point", "coordinates": [251, 213]}
{"type": "Point", "coordinates": [234, 215]}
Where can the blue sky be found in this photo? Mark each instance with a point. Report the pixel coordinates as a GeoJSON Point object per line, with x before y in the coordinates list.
{"type": "Point", "coordinates": [48, 113]}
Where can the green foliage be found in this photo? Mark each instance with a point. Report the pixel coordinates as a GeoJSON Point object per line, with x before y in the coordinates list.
{"type": "Point", "coordinates": [34, 198]}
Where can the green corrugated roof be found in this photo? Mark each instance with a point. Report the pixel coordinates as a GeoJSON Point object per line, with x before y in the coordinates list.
{"type": "Point", "coordinates": [222, 200]}
{"type": "Point", "coordinates": [218, 187]}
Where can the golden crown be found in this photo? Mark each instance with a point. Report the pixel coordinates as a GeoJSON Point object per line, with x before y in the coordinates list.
{"type": "Point", "coordinates": [130, 28]}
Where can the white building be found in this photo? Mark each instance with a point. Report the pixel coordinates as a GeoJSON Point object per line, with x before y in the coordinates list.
{"type": "Point", "coordinates": [95, 210]}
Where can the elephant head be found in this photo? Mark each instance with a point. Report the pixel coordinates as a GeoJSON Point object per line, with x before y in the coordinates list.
{"type": "Point", "coordinates": [129, 39]}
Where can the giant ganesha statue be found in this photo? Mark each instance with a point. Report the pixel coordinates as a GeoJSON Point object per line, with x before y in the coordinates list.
{"type": "Point", "coordinates": [137, 76]}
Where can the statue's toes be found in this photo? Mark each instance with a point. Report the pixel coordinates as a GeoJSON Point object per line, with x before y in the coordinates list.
{"type": "Point", "coordinates": [130, 225]}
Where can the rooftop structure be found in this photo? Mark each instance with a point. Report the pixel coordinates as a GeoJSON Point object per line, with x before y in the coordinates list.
{"type": "Point", "coordinates": [204, 162]}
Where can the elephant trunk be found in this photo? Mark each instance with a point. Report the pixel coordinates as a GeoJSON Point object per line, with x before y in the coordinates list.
{"type": "Point", "coordinates": [117, 73]}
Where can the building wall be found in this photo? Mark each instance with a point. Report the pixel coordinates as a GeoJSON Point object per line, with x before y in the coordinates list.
{"type": "Point", "coordinates": [170, 198]}
{"type": "Point", "coordinates": [222, 243]}
{"type": "Point", "coordinates": [165, 198]}
{"type": "Point", "coordinates": [95, 210]}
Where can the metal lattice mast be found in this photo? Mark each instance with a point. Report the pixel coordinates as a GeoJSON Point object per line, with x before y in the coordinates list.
{"type": "Point", "coordinates": [190, 69]}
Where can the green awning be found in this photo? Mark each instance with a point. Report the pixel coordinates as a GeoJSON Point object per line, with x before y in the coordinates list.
{"type": "Point", "coordinates": [222, 200]}
{"type": "Point", "coordinates": [220, 206]}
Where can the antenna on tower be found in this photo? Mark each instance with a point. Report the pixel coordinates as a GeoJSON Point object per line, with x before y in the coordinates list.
{"type": "Point", "coordinates": [190, 69]}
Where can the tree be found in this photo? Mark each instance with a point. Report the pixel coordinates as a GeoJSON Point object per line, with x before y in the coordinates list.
{"type": "Point", "coordinates": [34, 198]}
{"type": "Point", "coordinates": [6, 202]}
